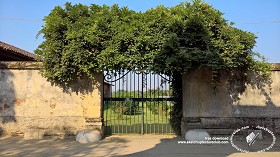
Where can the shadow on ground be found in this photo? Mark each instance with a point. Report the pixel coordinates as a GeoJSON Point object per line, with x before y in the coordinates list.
{"type": "Point", "coordinates": [170, 147]}
{"type": "Point", "coordinates": [126, 146]}
{"type": "Point", "coordinates": [16, 146]}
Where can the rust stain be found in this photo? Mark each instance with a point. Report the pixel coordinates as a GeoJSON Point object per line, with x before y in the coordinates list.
{"type": "Point", "coordinates": [6, 106]}
{"type": "Point", "coordinates": [1, 109]}
{"type": "Point", "coordinates": [18, 101]}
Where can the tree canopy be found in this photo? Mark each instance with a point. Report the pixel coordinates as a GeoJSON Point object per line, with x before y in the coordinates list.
{"type": "Point", "coordinates": [80, 39]}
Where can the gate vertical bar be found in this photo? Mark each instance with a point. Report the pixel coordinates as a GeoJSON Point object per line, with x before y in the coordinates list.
{"type": "Point", "coordinates": [163, 105]}
{"type": "Point", "coordinates": [115, 103]}
{"type": "Point", "coordinates": [158, 105]}
{"type": "Point", "coordinates": [133, 102]}
{"type": "Point", "coordinates": [126, 86]}
{"type": "Point", "coordinates": [154, 103]}
{"type": "Point", "coordinates": [120, 95]}
{"type": "Point", "coordinates": [142, 115]}
{"type": "Point", "coordinates": [138, 95]}
{"type": "Point", "coordinates": [137, 107]}
{"type": "Point", "coordinates": [150, 102]}
{"type": "Point", "coordinates": [123, 93]}
{"type": "Point", "coordinates": [166, 106]}
{"type": "Point", "coordinates": [146, 119]}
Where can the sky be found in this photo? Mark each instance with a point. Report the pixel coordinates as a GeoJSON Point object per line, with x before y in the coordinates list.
{"type": "Point", "coordinates": [20, 21]}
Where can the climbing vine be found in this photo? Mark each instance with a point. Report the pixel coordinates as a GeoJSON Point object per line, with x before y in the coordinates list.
{"type": "Point", "coordinates": [86, 39]}
{"type": "Point", "coordinates": [81, 40]}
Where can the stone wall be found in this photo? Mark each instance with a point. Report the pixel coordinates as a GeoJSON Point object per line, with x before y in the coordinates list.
{"type": "Point", "coordinates": [231, 105]}
{"type": "Point", "coordinates": [29, 101]}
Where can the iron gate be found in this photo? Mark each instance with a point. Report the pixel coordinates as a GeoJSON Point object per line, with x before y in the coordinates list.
{"type": "Point", "coordinates": [136, 102]}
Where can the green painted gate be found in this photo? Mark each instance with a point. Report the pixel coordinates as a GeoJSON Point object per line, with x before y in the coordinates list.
{"type": "Point", "coordinates": [136, 102]}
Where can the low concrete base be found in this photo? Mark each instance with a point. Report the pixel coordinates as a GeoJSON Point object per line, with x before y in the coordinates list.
{"type": "Point", "coordinates": [60, 134]}
{"type": "Point", "coordinates": [227, 125]}
{"type": "Point", "coordinates": [34, 134]}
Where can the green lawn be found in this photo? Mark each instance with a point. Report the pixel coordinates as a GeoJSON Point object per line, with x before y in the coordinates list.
{"type": "Point", "coordinates": [156, 118]}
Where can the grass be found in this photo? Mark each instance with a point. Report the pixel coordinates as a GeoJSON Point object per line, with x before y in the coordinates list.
{"type": "Point", "coordinates": [156, 119]}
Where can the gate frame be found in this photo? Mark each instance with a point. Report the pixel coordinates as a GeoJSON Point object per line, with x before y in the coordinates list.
{"type": "Point", "coordinates": [142, 99]}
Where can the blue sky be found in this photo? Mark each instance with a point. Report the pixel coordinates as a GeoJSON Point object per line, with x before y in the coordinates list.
{"type": "Point", "coordinates": [20, 20]}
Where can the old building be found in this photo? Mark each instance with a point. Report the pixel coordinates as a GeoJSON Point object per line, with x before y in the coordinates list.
{"type": "Point", "coordinates": [12, 53]}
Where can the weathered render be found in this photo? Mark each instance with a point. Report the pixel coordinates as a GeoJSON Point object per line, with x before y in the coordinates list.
{"type": "Point", "coordinates": [28, 101]}
{"type": "Point", "coordinates": [231, 105]}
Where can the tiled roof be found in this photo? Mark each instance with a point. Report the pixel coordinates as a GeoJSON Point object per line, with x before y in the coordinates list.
{"type": "Point", "coordinates": [17, 51]}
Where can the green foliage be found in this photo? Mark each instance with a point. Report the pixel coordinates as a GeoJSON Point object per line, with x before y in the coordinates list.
{"type": "Point", "coordinates": [128, 107]}
{"type": "Point", "coordinates": [198, 36]}
{"type": "Point", "coordinates": [86, 39]}
{"type": "Point", "coordinates": [159, 108]}
{"type": "Point", "coordinates": [151, 93]}
{"type": "Point", "coordinates": [176, 110]}
{"type": "Point", "coordinates": [126, 94]}
{"type": "Point", "coordinates": [83, 39]}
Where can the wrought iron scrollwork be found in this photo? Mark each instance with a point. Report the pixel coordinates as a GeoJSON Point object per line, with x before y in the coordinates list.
{"type": "Point", "coordinates": [167, 79]}
{"type": "Point", "coordinates": [108, 76]}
